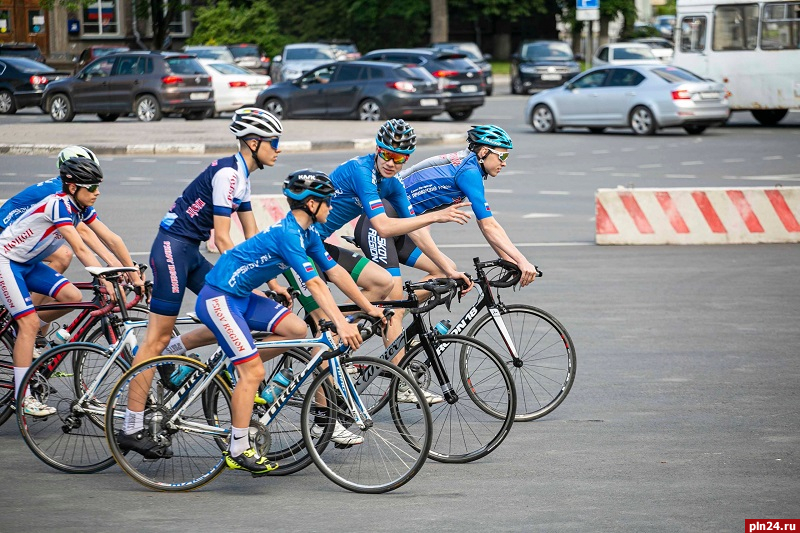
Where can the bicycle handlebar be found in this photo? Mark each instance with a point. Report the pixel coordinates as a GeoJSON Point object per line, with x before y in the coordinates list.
{"type": "Point", "coordinates": [113, 307]}
{"type": "Point", "coordinates": [509, 277]}
{"type": "Point", "coordinates": [442, 290]}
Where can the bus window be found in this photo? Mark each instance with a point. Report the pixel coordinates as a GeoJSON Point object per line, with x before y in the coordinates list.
{"type": "Point", "coordinates": [735, 27]}
{"type": "Point", "coordinates": [693, 34]}
{"type": "Point", "coordinates": [780, 26]}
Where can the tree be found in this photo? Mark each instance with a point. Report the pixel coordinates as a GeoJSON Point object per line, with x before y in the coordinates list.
{"type": "Point", "coordinates": [224, 23]}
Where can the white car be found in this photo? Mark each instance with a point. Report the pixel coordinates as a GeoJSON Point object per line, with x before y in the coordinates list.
{"type": "Point", "coordinates": [662, 48]}
{"type": "Point", "coordinates": [625, 54]}
{"type": "Point", "coordinates": [234, 86]}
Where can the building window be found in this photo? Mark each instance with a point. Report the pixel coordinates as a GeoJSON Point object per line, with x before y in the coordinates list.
{"type": "Point", "coordinates": [101, 18]}
{"type": "Point", "coordinates": [35, 21]}
{"type": "Point", "coordinates": [735, 27]}
{"type": "Point", "coordinates": [693, 34]}
{"type": "Point", "coordinates": [780, 26]}
{"type": "Point", "coordinates": [5, 21]}
{"type": "Point", "coordinates": [180, 26]}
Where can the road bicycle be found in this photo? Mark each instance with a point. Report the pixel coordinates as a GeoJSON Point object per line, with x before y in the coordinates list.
{"type": "Point", "coordinates": [98, 320]}
{"type": "Point", "coordinates": [193, 417]}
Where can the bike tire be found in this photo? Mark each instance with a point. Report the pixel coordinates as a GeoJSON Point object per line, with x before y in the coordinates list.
{"type": "Point", "coordinates": [544, 370]}
{"type": "Point", "coordinates": [478, 421]}
{"type": "Point", "coordinates": [395, 445]}
{"type": "Point", "coordinates": [196, 452]}
{"type": "Point", "coordinates": [6, 376]}
{"type": "Point", "coordinates": [73, 439]}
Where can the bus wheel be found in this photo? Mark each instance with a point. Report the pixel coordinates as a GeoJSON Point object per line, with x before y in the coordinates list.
{"type": "Point", "coordinates": [769, 117]}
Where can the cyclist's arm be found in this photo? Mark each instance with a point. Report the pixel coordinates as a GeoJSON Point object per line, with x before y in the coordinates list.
{"type": "Point", "coordinates": [248, 220]}
{"type": "Point", "coordinates": [222, 233]}
{"type": "Point", "coordinates": [95, 244]}
{"type": "Point", "coordinates": [422, 238]}
{"type": "Point", "coordinates": [393, 227]}
{"type": "Point", "coordinates": [341, 278]}
{"type": "Point", "coordinates": [117, 246]}
{"type": "Point", "coordinates": [498, 239]}
{"type": "Point", "coordinates": [322, 295]}
{"type": "Point", "coordinates": [82, 251]}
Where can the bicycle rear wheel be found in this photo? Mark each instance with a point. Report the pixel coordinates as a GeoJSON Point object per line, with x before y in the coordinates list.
{"type": "Point", "coordinates": [196, 438]}
{"type": "Point", "coordinates": [6, 376]}
{"type": "Point", "coordinates": [73, 439]}
{"type": "Point", "coordinates": [395, 444]}
{"type": "Point", "coordinates": [544, 369]}
{"type": "Point", "coordinates": [483, 399]}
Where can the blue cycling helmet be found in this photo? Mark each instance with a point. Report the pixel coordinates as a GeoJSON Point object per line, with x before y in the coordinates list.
{"type": "Point", "coordinates": [489, 135]}
{"type": "Point", "coordinates": [303, 184]}
{"type": "Point", "coordinates": [396, 135]}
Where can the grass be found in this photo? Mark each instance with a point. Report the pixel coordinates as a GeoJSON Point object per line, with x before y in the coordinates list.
{"type": "Point", "coordinates": [504, 67]}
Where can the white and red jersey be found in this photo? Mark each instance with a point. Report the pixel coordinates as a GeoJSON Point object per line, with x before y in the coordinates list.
{"type": "Point", "coordinates": [34, 236]}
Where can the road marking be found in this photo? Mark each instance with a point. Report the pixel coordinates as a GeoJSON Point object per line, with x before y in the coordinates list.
{"type": "Point", "coordinates": [772, 157]}
{"type": "Point", "coordinates": [542, 215]}
{"type": "Point", "coordinates": [144, 160]}
{"type": "Point", "coordinates": [783, 177]}
{"type": "Point", "coordinates": [734, 160]}
{"type": "Point", "coordinates": [626, 174]}
{"type": "Point", "coordinates": [600, 152]}
{"type": "Point", "coordinates": [555, 193]}
{"type": "Point", "coordinates": [653, 147]}
{"type": "Point", "coordinates": [9, 174]}
{"type": "Point", "coordinates": [565, 154]}
{"type": "Point", "coordinates": [602, 169]}
{"type": "Point", "coordinates": [627, 149]}
{"type": "Point", "coordinates": [499, 191]}
{"type": "Point", "coordinates": [525, 156]}
{"type": "Point", "coordinates": [651, 165]}
{"type": "Point", "coordinates": [518, 244]}
{"type": "Point", "coordinates": [189, 162]}
{"type": "Point", "coordinates": [681, 176]}
{"type": "Point", "coordinates": [15, 183]}
{"type": "Point", "coordinates": [565, 173]}
{"type": "Point", "coordinates": [691, 163]}
{"type": "Point", "coordinates": [138, 178]}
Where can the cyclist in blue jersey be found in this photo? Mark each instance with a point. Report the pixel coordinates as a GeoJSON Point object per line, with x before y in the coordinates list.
{"type": "Point", "coordinates": [24, 245]}
{"type": "Point", "coordinates": [206, 204]}
{"type": "Point", "coordinates": [441, 181]}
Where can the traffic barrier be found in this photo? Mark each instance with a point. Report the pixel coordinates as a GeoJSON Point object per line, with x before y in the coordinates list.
{"type": "Point", "coordinates": [269, 209]}
{"type": "Point", "coordinates": [713, 215]}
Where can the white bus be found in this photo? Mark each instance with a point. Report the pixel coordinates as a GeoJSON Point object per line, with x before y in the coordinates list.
{"type": "Point", "coordinates": [753, 47]}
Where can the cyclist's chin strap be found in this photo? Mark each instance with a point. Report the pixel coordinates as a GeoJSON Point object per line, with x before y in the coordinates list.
{"type": "Point", "coordinates": [378, 175]}
{"type": "Point", "coordinates": [254, 152]}
{"type": "Point", "coordinates": [314, 214]}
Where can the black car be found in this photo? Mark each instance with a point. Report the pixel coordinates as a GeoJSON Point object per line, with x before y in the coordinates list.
{"type": "Point", "coordinates": [27, 50]}
{"type": "Point", "coordinates": [459, 78]}
{"type": "Point", "coordinates": [474, 53]}
{"type": "Point", "coordinates": [147, 84]}
{"type": "Point", "coordinates": [363, 90]}
{"type": "Point", "coordinates": [540, 65]}
{"type": "Point", "coordinates": [22, 82]}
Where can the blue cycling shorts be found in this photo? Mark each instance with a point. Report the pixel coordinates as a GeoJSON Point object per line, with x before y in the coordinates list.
{"type": "Point", "coordinates": [17, 280]}
{"type": "Point", "coordinates": [177, 265]}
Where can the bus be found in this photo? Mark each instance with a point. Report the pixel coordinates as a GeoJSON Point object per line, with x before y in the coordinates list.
{"type": "Point", "coordinates": [751, 47]}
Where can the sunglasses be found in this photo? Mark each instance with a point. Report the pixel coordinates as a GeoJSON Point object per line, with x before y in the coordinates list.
{"type": "Point", "coordinates": [273, 141]}
{"type": "Point", "coordinates": [386, 155]}
{"type": "Point", "coordinates": [90, 188]}
{"type": "Point", "coordinates": [502, 156]}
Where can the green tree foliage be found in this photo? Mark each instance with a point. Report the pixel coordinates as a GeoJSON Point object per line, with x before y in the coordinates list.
{"type": "Point", "coordinates": [226, 23]}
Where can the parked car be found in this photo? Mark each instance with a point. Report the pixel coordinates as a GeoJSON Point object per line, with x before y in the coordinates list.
{"type": "Point", "coordinates": [27, 50]}
{"type": "Point", "coordinates": [218, 53]}
{"type": "Point", "coordinates": [250, 56]}
{"type": "Point", "coordinates": [299, 58]}
{"type": "Point", "coordinates": [345, 50]}
{"type": "Point", "coordinates": [645, 98]}
{"type": "Point", "coordinates": [234, 86]}
{"type": "Point", "coordinates": [364, 90]}
{"type": "Point", "coordinates": [474, 53]}
{"type": "Point", "coordinates": [459, 78]}
{"type": "Point", "coordinates": [22, 82]}
{"type": "Point", "coordinates": [663, 49]}
{"type": "Point", "coordinates": [624, 54]}
{"type": "Point", "coordinates": [539, 65]}
{"type": "Point", "coordinates": [147, 84]}
{"type": "Point", "coordinates": [666, 25]}
{"type": "Point", "coordinates": [93, 52]}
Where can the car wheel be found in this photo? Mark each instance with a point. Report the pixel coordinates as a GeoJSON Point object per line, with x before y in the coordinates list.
{"type": "Point", "coordinates": [7, 105]}
{"type": "Point", "coordinates": [489, 91]}
{"type": "Point", "coordinates": [642, 121]}
{"type": "Point", "coordinates": [108, 117]}
{"type": "Point", "coordinates": [370, 110]}
{"type": "Point", "coordinates": [516, 86]}
{"type": "Point", "coordinates": [196, 115]}
{"type": "Point", "coordinates": [542, 119]}
{"type": "Point", "coordinates": [769, 117]}
{"type": "Point", "coordinates": [147, 108]}
{"type": "Point", "coordinates": [694, 129]}
{"type": "Point", "coordinates": [61, 108]}
{"type": "Point", "coordinates": [460, 115]}
{"type": "Point", "coordinates": [597, 130]}
{"type": "Point", "coordinates": [274, 106]}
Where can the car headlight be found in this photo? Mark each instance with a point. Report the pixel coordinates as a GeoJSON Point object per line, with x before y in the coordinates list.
{"type": "Point", "coordinates": [527, 69]}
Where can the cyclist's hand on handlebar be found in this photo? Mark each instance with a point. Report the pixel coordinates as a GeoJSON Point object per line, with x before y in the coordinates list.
{"type": "Point", "coordinates": [377, 312]}
{"type": "Point", "coordinates": [110, 290]}
{"type": "Point", "coordinates": [454, 214]}
{"type": "Point", "coordinates": [528, 273]}
{"type": "Point", "coordinates": [464, 281]}
{"type": "Point", "coordinates": [349, 334]}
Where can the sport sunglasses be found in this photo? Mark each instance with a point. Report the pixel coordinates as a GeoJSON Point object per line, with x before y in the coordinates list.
{"type": "Point", "coordinates": [502, 156]}
{"type": "Point", "coordinates": [386, 155]}
{"type": "Point", "coordinates": [90, 188]}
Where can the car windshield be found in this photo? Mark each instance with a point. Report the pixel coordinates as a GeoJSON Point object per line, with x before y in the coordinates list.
{"type": "Point", "coordinates": [547, 51]}
{"type": "Point", "coordinates": [100, 52]}
{"type": "Point", "coordinates": [29, 65]}
{"type": "Point", "coordinates": [414, 73]}
{"type": "Point", "coordinates": [675, 75]}
{"type": "Point", "coordinates": [470, 50]}
{"type": "Point", "coordinates": [244, 51]}
{"type": "Point", "coordinates": [228, 68]}
{"type": "Point", "coordinates": [31, 53]}
{"type": "Point", "coordinates": [460, 64]}
{"type": "Point", "coordinates": [634, 52]}
{"type": "Point", "coordinates": [205, 53]}
{"type": "Point", "coordinates": [303, 54]}
{"type": "Point", "coordinates": [185, 65]}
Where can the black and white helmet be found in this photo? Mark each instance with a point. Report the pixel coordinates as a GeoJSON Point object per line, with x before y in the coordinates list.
{"type": "Point", "coordinates": [75, 151]}
{"type": "Point", "coordinates": [252, 121]}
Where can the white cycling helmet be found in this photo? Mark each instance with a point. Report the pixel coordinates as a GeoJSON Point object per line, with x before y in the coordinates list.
{"type": "Point", "coordinates": [256, 122]}
{"type": "Point", "coordinates": [75, 151]}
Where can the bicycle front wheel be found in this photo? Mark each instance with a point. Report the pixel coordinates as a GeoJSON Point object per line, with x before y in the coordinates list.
{"type": "Point", "coordinates": [545, 364]}
{"type": "Point", "coordinates": [195, 438]}
{"type": "Point", "coordinates": [377, 456]}
{"type": "Point", "coordinates": [73, 439]}
{"type": "Point", "coordinates": [474, 418]}
{"type": "Point", "coordinates": [6, 376]}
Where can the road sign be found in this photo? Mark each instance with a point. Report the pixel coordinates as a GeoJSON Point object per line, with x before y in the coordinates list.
{"type": "Point", "coordinates": [588, 4]}
{"type": "Point", "coordinates": [587, 14]}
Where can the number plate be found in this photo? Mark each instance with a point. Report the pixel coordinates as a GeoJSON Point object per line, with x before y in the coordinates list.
{"type": "Point", "coordinates": [428, 102]}
{"type": "Point", "coordinates": [551, 77]}
{"type": "Point", "coordinates": [709, 96]}
{"type": "Point", "coordinates": [469, 88]}
{"type": "Point", "coordinates": [199, 96]}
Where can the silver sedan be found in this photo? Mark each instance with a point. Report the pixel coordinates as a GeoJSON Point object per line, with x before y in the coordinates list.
{"type": "Point", "coordinates": [644, 98]}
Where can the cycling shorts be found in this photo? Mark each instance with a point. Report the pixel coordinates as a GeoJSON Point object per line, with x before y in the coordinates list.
{"type": "Point", "coordinates": [387, 253]}
{"type": "Point", "coordinates": [177, 265]}
{"type": "Point", "coordinates": [232, 317]}
{"type": "Point", "coordinates": [18, 280]}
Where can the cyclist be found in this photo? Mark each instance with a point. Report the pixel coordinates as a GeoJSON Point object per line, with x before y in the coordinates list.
{"type": "Point", "coordinates": [448, 179]}
{"type": "Point", "coordinates": [230, 308]}
{"type": "Point", "coordinates": [25, 244]}
{"type": "Point", "coordinates": [207, 203]}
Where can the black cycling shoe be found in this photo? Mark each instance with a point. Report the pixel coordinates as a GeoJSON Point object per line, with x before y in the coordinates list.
{"type": "Point", "coordinates": [249, 462]}
{"type": "Point", "coordinates": [142, 443]}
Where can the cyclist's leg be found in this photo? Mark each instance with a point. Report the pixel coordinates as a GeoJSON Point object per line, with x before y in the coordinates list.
{"type": "Point", "coordinates": [58, 261]}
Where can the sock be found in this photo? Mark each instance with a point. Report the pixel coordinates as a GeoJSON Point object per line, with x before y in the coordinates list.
{"type": "Point", "coordinates": [19, 373]}
{"type": "Point", "coordinates": [175, 347]}
{"type": "Point", "coordinates": [240, 441]}
{"type": "Point", "coordinates": [134, 422]}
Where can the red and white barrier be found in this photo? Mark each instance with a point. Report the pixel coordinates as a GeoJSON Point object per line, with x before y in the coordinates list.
{"type": "Point", "coordinates": [745, 215]}
{"type": "Point", "coordinates": [269, 209]}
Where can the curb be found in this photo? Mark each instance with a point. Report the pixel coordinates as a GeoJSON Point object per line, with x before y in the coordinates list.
{"type": "Point", "coordinates": [217, 148]}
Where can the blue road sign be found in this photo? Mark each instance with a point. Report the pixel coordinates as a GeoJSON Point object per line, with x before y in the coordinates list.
{"type": "Point", "coordinates": [588, 4]}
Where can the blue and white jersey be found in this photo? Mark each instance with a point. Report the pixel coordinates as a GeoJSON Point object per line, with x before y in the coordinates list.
{"type": "Point", "coordinates": [265, 255]}
{"type": "Point", "coordinates": [444, 180]}
{"type": "Point", "coordinates": [222, 188]}
{"type": "Point", "coordinates": [34, 235]}
{"type": "Point", "coordinates": [18, 204]}
{"type": "Point", "coordinates": [360, 189]}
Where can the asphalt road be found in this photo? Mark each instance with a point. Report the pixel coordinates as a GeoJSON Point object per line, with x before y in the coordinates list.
{"type": "Point", "coordinates": [683, 416]}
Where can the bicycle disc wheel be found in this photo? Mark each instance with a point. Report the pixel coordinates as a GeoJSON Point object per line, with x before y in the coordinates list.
{"type": "Point", "coordinates": [6, 376]}
{"type": "Point", "coordinates": [544, 369]}
{"type": "Point", "coordinates": [483, 398]}
{"type": "Point", "coordinates": [393, 446]}
{"type": "Point", "coordinates": [197, 436]}
{"type": "Point", "coordinates": [73, 439]}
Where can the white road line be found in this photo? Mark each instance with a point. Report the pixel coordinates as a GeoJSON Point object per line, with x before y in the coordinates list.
{"type": "Point", "coordinates": [602, 169]}
{"type": "Point", "coordinates": [691, 163]}
{"type": "Point", "coordinates": [565, 154]}
{"type": "Point", "coordinates": [15, 183]}
{"type": "Point", "coordinates": [734, 160]}
{"type": "Point", "coordinates": [555, 193]}
{"type": "Point", "coordinates": [653, 147]}
{"type": "Point", "coordinates": [138, 178]}
{"type": "Point", "coordinates": [565, 173]}
{"type": "Point", "coordinates": [628, 149]}
{"type": "Point", "coordinates": [626, 174]}
{"type": "Point", "coordinates": [600, 152]}
{"type": "Point", "coordinates": [525, 156]}
{"type": "Point", "coordinates": [50, 175]}
{"type": "Point", "coordinates": [772, 157]}
{"type": "Point", "coordinates": [681, 176]}
{"type": "Point", "coordinates": [189, 162]}
{"type": "Point", "coordinates": [499, 191]}
{"type": "Point", "coordinates": [8, 174]}
{"type": "Point", "coordinates": [542, 215]}
{"type": "Point", "coordinates": [520, 244]}
{"type": "Point", "coordinates": [778, 177]}
{"type": "Point", "coordinates": [144, 160]}
{"type": "Point", "coordinates": [651, 165]}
